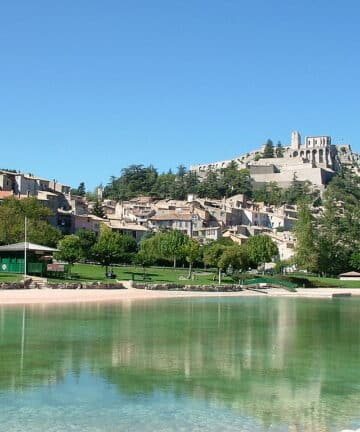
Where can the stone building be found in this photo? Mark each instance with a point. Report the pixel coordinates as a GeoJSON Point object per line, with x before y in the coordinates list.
{"type": "Point", "coordinates": [315, 160]}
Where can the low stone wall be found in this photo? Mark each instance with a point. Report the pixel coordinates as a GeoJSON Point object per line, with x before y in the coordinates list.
{"type": "Point", "coordinates": [16, 285]}
{"type": "Point", "coordinates": [85, 285]}
{"type": "Point", "coordinates": [60, 285]}
{"type": "Point", "coordinates": [178, 287]}
{"type": "Point", "coordinates": [12, 285]}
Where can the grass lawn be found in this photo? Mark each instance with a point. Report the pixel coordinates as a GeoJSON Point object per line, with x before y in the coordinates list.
{"type": "Point", "coordinates": [91, 273]}
{"type": "Point", "coordinates": [10, 277]}
{"type": "Point", "coordinates": [321, 282]}
{"type": "Point", "coordinates": [336, 283]}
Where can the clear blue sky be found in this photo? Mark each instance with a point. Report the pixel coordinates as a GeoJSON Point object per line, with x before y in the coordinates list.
{"type": "Point", "coordinates": [89, 87]}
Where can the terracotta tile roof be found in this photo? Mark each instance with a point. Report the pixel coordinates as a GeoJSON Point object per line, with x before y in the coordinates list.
{"type": "Point", "coordinates": [119, 224]}
{"type": "Point", "coordinates": [172, 216]}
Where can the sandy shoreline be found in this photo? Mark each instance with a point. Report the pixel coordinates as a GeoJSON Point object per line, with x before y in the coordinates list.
{"type": "Point", "coordinates": [58, 296]}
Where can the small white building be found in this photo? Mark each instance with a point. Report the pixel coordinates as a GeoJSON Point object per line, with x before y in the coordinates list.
{"type": "Point", "coordinates": [350, 276]}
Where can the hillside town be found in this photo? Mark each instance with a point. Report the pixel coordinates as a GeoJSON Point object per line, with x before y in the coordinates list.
{"type": "Point", "coordinates": [204, 219]}
{"type": "Point", "coordinates": [201, 219]}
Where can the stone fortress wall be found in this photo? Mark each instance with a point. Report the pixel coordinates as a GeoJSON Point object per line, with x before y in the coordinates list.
{"type": "Point", "coordinates": [316, 160]}
{"type": "Point", "coordinates": [242, 161]}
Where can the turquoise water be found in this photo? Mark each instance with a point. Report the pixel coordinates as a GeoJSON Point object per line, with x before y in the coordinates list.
{"type": "Point", "coordinates": [253, 364]}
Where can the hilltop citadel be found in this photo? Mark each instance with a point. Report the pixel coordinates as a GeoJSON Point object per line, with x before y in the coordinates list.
{"type": "Point", "coordinates": [315, 160]}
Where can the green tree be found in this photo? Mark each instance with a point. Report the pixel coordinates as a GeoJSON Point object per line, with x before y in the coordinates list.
{"type": "Point", "coordinates": [150, 248]}
{"type": "Point", "coordinates": [236, 257]}
{"type": "Point", "coordinates": [181, 171]}
{"type": "Point", "coordinates": [191, 182]}
{"type": "Point", "coordinates": [355, 260]}
{"type": "Point", "coordinates": [41, 232]}
{"type": "Point", "coordinates": [191, 251]}
{"type": "Point", "coordinates": [80, 190]}
{"type": "Point", "coordinates": [209, 187]}
{"type": "Point", "coordinates": [261, 249]}
{"type": "Point", "coordinates": [268, 149]}
{"type": "Point", "coordinates": [87, 240]}
{"type": "Point", "coordinates": [234, 181]}
{"type": "Point", "coordinates": [344, 187]}
{"type": "Point", "coordinates": [113, 248]}
{"type": "Point", "coordinates": [12, 222]}
{"type": "Point", "coordinates": [172, 245]}
{"type": "Point", "coordinates": [213, 255]}
{"type": "Point", "coordinates": [98, 210]}
{"type": "Point", "coordinates": [269, 193]}
{"type": "Point", "coordinates": [281, 265]}
{"type": "Point", "coordinates": [279, 151]}
{"type": "Point", "coordinates": [163, 185]}
{"type": "Point", "coordinates": [178, 188]}
{"type": "Point", "coordinates": [299, 191]}
{"type": "Point", "coordinates": [69, 250]}
{"type": "Point", "coordinates": [128, 249]}
{"type": "Point", "coordinates": [338, 229]}
{"type": "Point", "coordinates": [306, 254]}
{"type": "Point", "coordinates": [147, 253]}
{"type": "Point", "coordinates": [134, 181]}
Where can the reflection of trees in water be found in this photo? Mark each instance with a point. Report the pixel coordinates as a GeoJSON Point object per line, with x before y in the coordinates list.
{"type": "Point", "coordinates": [52, 342]}
{"type": "Point", "coordinates": [279, 360]}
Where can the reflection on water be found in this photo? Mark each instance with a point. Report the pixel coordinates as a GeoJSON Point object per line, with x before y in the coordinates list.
{"type": "Point", "coordinates": [253, 364]}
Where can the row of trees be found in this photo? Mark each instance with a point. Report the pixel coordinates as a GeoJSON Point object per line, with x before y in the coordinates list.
{"type": "Point", "coordinates": [139, 180]}
{"type": "Point", "coordinates": [172, 246]}
{"type": "Point", "coordinates": [270, 151]}
{"type": "Point", "coordinates": [272, 194]}
{"type": "Point", "coordinates": [109, 248]}
{"type": "Point", "coordinates": [257, 251]}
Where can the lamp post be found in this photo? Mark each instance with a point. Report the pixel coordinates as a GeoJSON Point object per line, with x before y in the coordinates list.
{"type": "Point", "coordinates": [25, 255]}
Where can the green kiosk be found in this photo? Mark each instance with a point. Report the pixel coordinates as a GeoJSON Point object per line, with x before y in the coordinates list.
{"type": "Point", "coordinates": [38, 258]}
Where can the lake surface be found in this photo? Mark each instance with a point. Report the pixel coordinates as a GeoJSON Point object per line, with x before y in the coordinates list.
{"type": "Point", "coordinates": [236, 364]}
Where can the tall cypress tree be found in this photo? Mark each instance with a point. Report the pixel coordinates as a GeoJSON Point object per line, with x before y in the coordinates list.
{"type": "Point", "coordinates": [268, 149]}
{"type": "Point", "coordinates": [279, 151]}
{"type": "Point", "coordinates": [306, 256]}
{"type": "Point", "coordinates": [98, 210]}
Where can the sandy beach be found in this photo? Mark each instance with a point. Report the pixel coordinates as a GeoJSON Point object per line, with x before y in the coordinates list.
{"type": "Point", "coordinates": [58, 296]}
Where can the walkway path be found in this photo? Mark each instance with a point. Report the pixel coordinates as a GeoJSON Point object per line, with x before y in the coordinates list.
{"type": "Point", "coordinates": [47, 296]}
